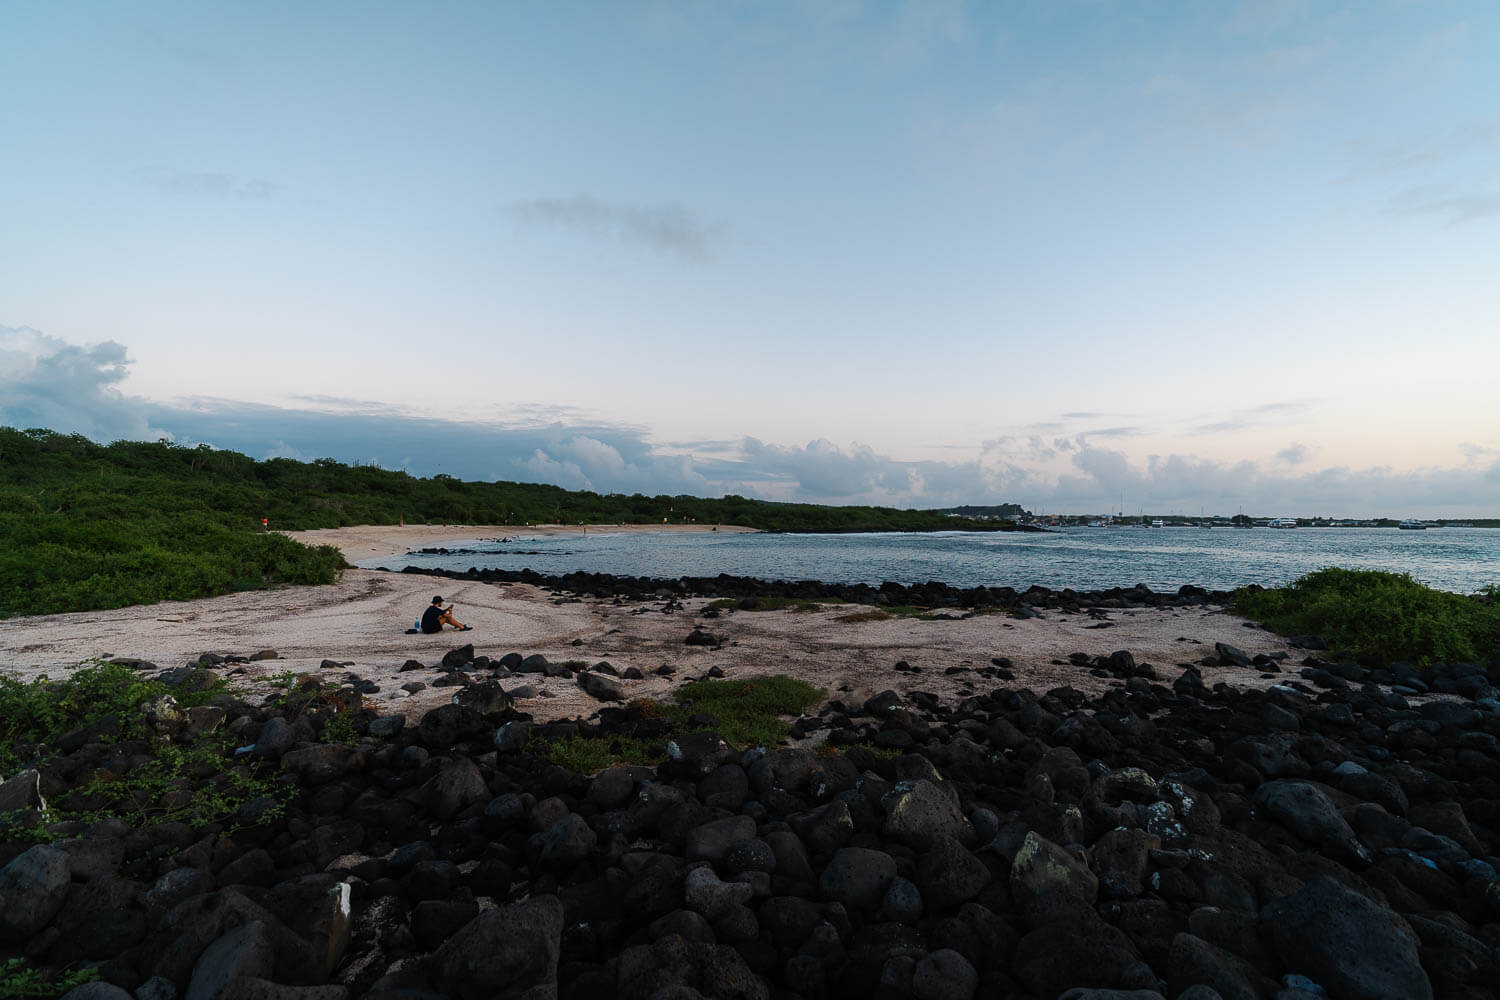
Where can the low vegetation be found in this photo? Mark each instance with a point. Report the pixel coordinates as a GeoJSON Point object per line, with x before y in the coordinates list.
{"type": "Point", "coordinates": [1380, 616]}
{"type": "Point", "coordinates": [85, 526]}
{"type": "Point", "coordinates": [772, 603]}
{"type": "Point", "coordinates": [801, 605]}
{"type": "Point", "coordinates": [18, 978]}
{"type": "Point", "coordinates": [744, 713]}
{"type": "Point", "coordinates": [142, 778]}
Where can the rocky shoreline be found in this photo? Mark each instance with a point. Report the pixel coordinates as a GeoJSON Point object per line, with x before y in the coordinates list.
{"type": "Point", "coordinates": [1333, 836]}
{"type": "Point", "coordinates": [934, 594]}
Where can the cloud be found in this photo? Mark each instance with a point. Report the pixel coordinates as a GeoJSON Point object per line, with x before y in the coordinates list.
{"type": "Point", "coordinates": [1442, 199]}
{"type": "Point", "coordinates": [669, 229]}
{"type": "Point", "coordinates": [919, 28]}
{"type": "Point", "coordinates": [1294, 454]}
{"type": "Point", "coordinates": [1475, 138]}
{"type": "Point", "coordinates": [1255, 416]}
{"type": "Point", "coordinates": [215, 185]}
{"type": "Point", "coordinates": [1257, 17]}
{"type": "Point", "coordinates": [1436, 56]}
{"type": "Point", "coordinates": [1110, 432]}
{"type": "Point", "coordinates": [47, 383]}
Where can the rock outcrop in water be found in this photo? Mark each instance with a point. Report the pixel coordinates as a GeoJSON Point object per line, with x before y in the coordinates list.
{"type": "Point", "coordinates": [1326, 837]}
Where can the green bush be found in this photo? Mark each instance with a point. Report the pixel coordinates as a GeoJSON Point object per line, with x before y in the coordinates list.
{"type": "Point", "coordinates": [1378, 615]}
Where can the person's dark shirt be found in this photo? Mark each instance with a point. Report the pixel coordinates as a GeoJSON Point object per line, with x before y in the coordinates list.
{"type": "Point", "coordinates": [432, 619]}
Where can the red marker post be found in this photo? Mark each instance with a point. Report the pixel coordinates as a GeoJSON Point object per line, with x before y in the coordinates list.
{"type": "Point", "coordinates": [265, 525]}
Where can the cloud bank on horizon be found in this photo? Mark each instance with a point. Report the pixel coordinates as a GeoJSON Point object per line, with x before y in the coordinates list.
{"type": "Point", "coordinates": [45, 382]}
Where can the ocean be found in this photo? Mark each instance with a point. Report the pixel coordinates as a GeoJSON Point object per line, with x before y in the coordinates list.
{"type": "Point", "coordinates": [1461, 560]}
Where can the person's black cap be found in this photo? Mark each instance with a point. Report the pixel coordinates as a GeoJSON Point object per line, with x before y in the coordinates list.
{"type": "Point", "coordinates": [437, 600]}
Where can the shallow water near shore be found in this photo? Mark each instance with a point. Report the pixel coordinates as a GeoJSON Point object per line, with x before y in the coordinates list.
{"type": "Point", "coordinates": [1462, 560]}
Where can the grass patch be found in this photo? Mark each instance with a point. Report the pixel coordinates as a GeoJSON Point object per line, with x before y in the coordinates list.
{"type": "Point", "coordinates": [747, 713]}
{"type": "Point", "coordinates": [1380, 616]}
{"type": "Point", "coordinates": [589, 755]}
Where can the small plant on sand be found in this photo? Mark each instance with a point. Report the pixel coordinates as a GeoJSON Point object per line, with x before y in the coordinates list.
{"type": "Point", "coordinates": [1378, 616]}
{"type": "Point", "coordinates": [19, 979]}
{"type": "Point", "coordinates": [283, 680]}
{"type": "Point", "coordinates": [798, 604]}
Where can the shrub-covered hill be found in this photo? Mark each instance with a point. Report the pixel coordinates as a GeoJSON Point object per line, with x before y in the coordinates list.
{"type": "Point", "coordinates": [86, 526]}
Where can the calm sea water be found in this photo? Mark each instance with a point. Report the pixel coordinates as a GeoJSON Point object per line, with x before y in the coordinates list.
{"type": "Point", "coordinates": [1457, 559]}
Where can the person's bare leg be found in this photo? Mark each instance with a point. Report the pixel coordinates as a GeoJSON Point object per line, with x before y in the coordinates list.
{"type": "Point", "coordinates": [448, 619]}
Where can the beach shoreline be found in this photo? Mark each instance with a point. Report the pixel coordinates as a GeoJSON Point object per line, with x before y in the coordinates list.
{"type": "Point", "coordinates": [356, 628]}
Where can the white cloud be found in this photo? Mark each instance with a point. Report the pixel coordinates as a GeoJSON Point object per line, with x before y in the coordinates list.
{"type": "Point", "coordinates": [47, 383]}
{"type": "Point", "coordinates": [670, 229]}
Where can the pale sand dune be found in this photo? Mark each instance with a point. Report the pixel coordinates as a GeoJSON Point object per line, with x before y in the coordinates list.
{"type": "Point", "coordinates": [361, 620]}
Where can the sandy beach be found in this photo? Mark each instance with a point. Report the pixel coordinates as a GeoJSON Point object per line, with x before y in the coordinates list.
{"type": "Point", "coordinates": [375, 541]}
{"type": "Point", "coordinates": [360, 624]}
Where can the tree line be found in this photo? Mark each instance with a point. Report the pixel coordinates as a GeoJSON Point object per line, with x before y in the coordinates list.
{"type": "Point", "coordinates": [86, 526]}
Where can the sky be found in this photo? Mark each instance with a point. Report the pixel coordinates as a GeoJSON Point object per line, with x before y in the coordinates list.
{"type": "Point", "coordinates": [1080, 255]}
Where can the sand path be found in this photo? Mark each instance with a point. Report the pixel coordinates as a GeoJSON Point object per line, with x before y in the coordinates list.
{"type": "Point", "coordinates": [360, 622]}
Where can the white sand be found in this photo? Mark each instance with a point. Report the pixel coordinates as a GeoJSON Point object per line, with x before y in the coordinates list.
{"type": "Point", "coordinates": [360, 622]}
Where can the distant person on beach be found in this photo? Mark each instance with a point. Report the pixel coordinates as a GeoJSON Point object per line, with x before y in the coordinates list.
{"type": "Point", "coordinates": [436, 616]}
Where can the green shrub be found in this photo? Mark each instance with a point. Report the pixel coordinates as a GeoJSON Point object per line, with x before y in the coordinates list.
{"type": "Point", "coordinates": [1378, 615]}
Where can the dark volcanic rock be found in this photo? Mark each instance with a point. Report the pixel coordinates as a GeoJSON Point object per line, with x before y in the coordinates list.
{"type": "Point", "coordinates": [510, 951]}
{"type": "Point", "coordinates": [1163, 839]}
{"type": "Point", "coordinates": [1353, 947]}
{"type": "Point", "coordinates": [33, 887]}
{"type": "Point", "coordinates": [1067, 953]}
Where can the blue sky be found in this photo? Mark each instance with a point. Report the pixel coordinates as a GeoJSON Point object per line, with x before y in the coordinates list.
{"type": "Point", "coordinates": [1078, 255]}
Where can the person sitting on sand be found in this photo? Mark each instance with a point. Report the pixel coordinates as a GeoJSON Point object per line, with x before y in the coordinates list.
{"type": "Point", "coordinates": [436, 616]}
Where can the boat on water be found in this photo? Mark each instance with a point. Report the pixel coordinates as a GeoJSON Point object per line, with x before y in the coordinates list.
{"type": "Point", "coordinates": [1282, 522]}
{"type": "Point", "coordinates": [1411, 524]}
